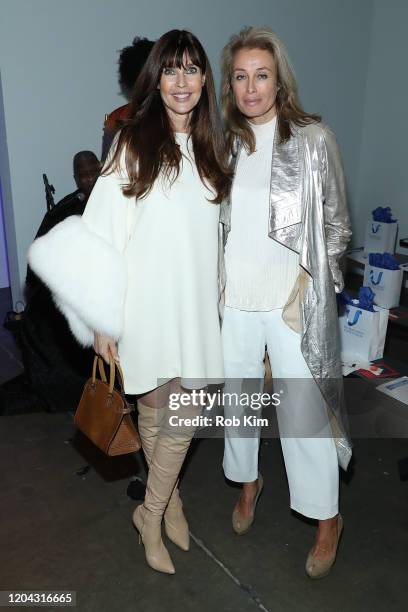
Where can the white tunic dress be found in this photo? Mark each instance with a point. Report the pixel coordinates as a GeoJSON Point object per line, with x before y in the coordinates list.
{"type": "Point", "coordinates": [170, 243]}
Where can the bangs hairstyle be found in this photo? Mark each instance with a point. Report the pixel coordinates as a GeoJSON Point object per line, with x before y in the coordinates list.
{"type": "Point", "coordinates": [288, 107]}
{"type": "Point", "coordinates": [147, 137]}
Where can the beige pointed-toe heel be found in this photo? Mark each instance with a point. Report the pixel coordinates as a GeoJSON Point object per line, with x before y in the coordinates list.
{"type": "Point", "coordinates": [241, 524]}
{"type": "Point", "coordinates": [319, 568]}
{"type": "Point", "coordinates": [149, 528]}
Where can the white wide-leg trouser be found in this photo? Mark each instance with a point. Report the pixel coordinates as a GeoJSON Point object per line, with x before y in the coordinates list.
{"type": "Point", "coordinates": [311, 462]}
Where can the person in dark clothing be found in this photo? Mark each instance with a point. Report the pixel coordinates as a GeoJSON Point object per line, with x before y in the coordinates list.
{"type": "Point", "coordinates": [55, 365]}
{"type": "Point", "coordinates": [86, 170]}
{"type": "Point", "coordinates": [131, 61]}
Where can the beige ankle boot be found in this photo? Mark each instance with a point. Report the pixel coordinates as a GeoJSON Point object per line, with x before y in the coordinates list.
{"type": "Point", "coordinates": [149, 422]}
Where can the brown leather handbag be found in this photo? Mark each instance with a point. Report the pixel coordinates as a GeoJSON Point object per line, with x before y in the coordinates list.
{"type": "Point", "coordinates": [103, 414]}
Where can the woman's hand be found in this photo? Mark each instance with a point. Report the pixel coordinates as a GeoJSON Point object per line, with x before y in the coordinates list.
{"type": "Point", "coordinates": [106, 347]}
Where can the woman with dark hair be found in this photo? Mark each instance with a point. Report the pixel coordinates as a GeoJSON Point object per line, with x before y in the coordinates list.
{"type": "Point", "coordinates": [141, 283]}
{"type": "Point", "coordinates": [286, 226]}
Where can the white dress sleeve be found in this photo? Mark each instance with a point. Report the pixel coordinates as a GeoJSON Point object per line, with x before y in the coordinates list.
{"type": "Point", "coordinates": [82, 261]}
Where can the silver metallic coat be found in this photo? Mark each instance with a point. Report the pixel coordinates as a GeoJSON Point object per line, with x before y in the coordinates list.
{"type": "Point", "coordinates": [308, 214]}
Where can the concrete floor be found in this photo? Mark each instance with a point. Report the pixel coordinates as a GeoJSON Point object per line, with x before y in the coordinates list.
{"type": "Point", "coordinates": [62, 529]}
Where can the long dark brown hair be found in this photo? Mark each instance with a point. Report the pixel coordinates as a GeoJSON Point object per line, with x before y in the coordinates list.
{"type": "Point", "coordinates": [288, 107]}
{"type": "Point", "coordinates": [147, 138]}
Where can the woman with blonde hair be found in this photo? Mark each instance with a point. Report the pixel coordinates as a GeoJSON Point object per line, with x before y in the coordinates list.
{"type": "Point", "coordinates": [140, 281]}
{"type": "Point", "coordinates": [285, 227]}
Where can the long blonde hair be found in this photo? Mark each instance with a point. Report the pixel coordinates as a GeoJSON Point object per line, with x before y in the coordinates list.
{"type": "Point", "coordinates": [289, 109]}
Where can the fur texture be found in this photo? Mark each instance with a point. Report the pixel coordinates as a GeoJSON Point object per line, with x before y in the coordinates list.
{"type": "Point", "coordinates": [86, 275]}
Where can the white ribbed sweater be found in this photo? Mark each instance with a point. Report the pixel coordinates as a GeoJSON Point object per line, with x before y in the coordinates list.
{"type": "Point", "coordinates": [260, 271]}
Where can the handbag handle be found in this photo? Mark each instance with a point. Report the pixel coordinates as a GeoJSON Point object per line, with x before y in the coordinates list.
{"type": "Point", "coordinates": [112, 364]}
{"type": "Point", "coordinates": [98, 361]}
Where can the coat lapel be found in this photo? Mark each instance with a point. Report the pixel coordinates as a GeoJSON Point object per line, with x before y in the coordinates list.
{"type": "Point", "coordinates": [285, 193]}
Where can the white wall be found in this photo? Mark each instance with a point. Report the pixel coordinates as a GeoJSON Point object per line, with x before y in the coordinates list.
{"type": "Point", "coordinates": [383, 179]}
{"type": "Point", "coordinates": [58, 68]}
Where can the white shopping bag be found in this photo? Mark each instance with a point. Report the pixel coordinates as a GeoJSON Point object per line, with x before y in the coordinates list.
{"type": "Point", "coordinates": [386, 284]}
{"type": "Point", "coordinates": [362, 333]}
{"type": "Point", "coordinates": [380, 237]}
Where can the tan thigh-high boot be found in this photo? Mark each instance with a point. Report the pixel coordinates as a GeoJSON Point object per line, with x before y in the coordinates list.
{"type": "Point", "coordinates": [169, 453]}
{"type": "Point", "coordinates": [149, 422]}
{"type": "Point", "coordinates": [175, 523]}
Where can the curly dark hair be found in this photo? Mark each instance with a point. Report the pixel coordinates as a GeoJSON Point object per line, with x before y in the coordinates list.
{"type": "Point", "coordinates": [131, 61]}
